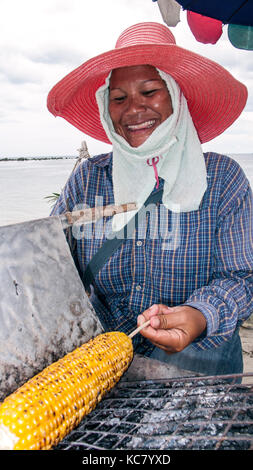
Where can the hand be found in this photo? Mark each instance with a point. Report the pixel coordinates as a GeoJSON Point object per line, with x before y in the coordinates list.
{"type": "Point", "coordinates": [172, 328]}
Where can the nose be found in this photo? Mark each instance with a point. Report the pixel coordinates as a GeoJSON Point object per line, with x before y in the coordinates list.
{"type": "Point", "coordinates": [135, 104]}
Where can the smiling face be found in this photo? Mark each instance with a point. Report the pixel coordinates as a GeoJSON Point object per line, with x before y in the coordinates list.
{"type": "Point", "coordinates": [139, 102]}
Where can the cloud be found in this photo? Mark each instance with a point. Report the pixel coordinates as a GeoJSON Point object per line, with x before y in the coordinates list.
{"type": "Point", "coordinates": [16, 68]}
{"type": "Point", "coordinates": [58, 54]}
{"type": "Point", "coordinates": [238, 138]}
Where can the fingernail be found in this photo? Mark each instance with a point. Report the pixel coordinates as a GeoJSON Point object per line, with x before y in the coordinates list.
{"type": "Point", "coordinates": [140, 319]}
{"type": "Point", "coordinates": [155, 322]}
{"type": "Point", "coordinates": [153, 307]}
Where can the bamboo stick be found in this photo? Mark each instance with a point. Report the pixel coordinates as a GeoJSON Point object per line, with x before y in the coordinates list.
{"type": "Point", "coordinates": [137, 330]}
{"type": "Point", "coordinates": [93, 214]}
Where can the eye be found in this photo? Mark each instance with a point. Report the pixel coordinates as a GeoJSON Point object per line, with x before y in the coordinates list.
{"type": "Point", "coordinates": [150, 92]}
{"type": "Point", "coordinates": [117, 99]}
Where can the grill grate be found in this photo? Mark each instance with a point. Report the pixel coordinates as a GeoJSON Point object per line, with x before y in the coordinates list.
{"type": "Point", "coordinates": [185, 413]}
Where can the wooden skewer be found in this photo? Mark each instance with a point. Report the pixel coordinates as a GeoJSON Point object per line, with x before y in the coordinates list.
{"type": "Point", "coordinates": [95, 213]}
{"type": "Point", "coordinates": [139, 329]}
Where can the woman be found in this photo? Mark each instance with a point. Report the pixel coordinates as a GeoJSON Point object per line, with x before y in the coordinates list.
{"type": "Point", "coordinates": [186, 264]}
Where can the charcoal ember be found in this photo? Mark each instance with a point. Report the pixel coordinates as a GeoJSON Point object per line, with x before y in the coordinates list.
{"type": "Point", "coordinates": [123, 394]}
{"type": "Point", "coordinates": [178, 393]}
{"type": "Point", "coordinates": [141, 394]}
{"type": "Point", "coordinates": [238, 429]}
{"type": "Point", "coordinates": [117, 413]}
{"type": "Point", "coordinates": [223, 414]}
{"type": "Point", "coordinates": [204, 444]}
{"type": "Point", "coordinates": [135, 416]}
{"type": "Point", "coordinates": [89, 438]}
{"type": "Point", "coordinates": [249, 400]}
{"type": "Point", "coordinates": [245, 414]}
{"type": "Point", "coordinates": [108, 441]}
{"type": "Point", "coordinates": [153, 404]}
{"type": "Point", "coordinates": [240, 444]}
{"type": "Point", "coordinates": [159, 393]}
{"type": "Point", "coordinates": [87, 426]}
{"type": "Point", "coordinates": [208, 400]}
{"type": "Point", "coordinates": [214, 429]}
{"type": "Point", "coordinates": [197, 391]}
{"type": "Point", "coordinates": [175, 403]}
{"type": "Point", "coordinates": [118, 403]}
{"type": "Point", "coordinates": [189, 428]}
{"type": "Point", "coordinates": [166, 415]}
{"type": "Point", "coordinates": [106, 415]}
{"type": "Point", "coordinates": [155, 429]}
{"type": "Point", "coordinates": [112, 421]}
{"type": "Point", "coordinates": [126, 428]}
{"type": "Point", "coordinates": [107, 426]}
{"type": "Point", "coordinates": [200, 414]}
{"type": "Point", "coordinates": [190, 402]}
{"type": "Point", "coordinates": [145, 443]}
{"type": "Point", "coordinates": [175, 443]}
{"type": "Point", "coordinates": [179, 384]}
{"type": "Point", "coordinates": [240, 389]}
{"type": "Point", "coordinates": [124, 443]}
{"type": "Point", "coordinates": [229, 400]}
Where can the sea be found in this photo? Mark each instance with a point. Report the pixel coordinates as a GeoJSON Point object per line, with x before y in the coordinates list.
{"type": "Point", "coordinates": [25, 184]}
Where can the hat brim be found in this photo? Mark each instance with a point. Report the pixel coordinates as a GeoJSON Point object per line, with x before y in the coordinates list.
{"type": "Point", "coordinates": [215, 98]}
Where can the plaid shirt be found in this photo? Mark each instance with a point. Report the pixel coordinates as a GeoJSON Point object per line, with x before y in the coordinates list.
{"type": "Point", "coordinates": [204, 260]}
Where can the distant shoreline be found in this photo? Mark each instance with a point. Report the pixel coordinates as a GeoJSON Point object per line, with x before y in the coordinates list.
{"type": "Point", "coordinates": [22, 159]}
{"type": "Point", "coordinates": [75, 157]}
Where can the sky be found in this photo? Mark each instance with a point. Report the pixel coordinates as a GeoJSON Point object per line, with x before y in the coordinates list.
{"type": "Point", "coordinates": [41, 41]}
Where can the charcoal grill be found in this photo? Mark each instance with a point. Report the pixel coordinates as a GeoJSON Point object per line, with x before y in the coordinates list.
{"type": "Point", "coordinates": [195, 413]}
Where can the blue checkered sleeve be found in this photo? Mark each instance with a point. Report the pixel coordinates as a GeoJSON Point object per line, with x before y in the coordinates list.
{"type": "Point", "coordinates": [227, 300]}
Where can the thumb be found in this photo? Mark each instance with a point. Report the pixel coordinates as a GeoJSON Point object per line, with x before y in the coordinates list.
{"type": "Point", "coordinates": [164, 321]}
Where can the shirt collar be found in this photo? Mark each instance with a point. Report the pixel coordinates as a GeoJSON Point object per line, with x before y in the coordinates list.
{"type": "Point", "coordinates": [101, 160]}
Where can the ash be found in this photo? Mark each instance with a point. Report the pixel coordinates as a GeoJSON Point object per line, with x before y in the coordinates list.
{"type": "Point", "coordinates": [211, 413]}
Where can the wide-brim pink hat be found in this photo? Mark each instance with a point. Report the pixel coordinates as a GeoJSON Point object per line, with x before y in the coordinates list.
{"type": "Point", "coordinates": [215, 98]}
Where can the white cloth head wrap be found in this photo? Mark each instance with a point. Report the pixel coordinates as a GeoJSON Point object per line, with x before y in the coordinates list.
{"type": "Point", "coordinates": [181, 161]}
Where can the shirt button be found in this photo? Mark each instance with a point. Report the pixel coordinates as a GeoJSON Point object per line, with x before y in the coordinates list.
{"type": "Point", "coordinates": [139, 243]}
{"type": "Point", "coordinates": [138, 288]}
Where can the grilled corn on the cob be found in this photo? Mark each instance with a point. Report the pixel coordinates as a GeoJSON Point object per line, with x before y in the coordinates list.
{"type": "Point", "coordinates": [47, 407]}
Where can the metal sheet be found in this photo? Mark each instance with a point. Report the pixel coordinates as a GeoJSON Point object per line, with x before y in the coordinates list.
{"type": "Point", "coordinates": [44, 309]}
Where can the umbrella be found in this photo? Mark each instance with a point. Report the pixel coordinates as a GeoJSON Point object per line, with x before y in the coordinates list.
{"type": "Point", "coordinates": [205, 19]}
{"type": "Point", "coordinates": [228, 11]}
{"type": "Point", "coordinates": [205, 29]}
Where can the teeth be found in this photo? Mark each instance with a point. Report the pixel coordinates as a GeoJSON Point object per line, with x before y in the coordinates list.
{"type": "Point", "coordinates": [143, 125]}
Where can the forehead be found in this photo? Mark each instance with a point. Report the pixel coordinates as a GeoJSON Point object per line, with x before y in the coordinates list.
{"type": "Point", "coordinates": [133, 73]}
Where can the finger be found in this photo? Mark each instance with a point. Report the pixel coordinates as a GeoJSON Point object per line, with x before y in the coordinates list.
{"type": "Point", "coordinates": [170, 340]}
{"type": "Point", "coordinates": [167, 349]}
{"type": "Point", "coordinates": [165, 321]}
{"type": "Point", "coordinates": [155, 309]}
{"type": "Point", "coordinates": [145, 331]}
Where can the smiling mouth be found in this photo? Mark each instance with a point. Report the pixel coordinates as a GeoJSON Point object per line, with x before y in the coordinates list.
{"type": "Point", "coordinates": [142, 126]}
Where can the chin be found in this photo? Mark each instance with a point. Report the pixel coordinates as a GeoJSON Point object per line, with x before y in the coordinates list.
{"type": "Point", "coordinates": [137, 142]}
